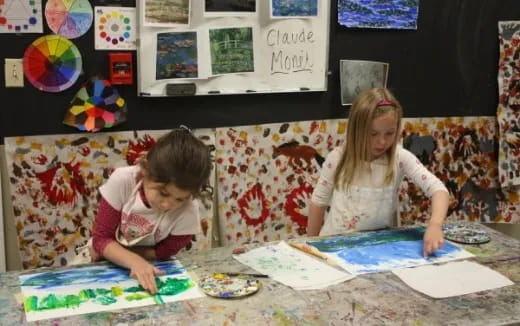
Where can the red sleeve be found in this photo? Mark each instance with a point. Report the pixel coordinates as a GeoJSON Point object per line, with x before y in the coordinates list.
{"type": "Point", "coordinates": [171, 245]}
{"type": "Point", "coordinates": [107, 220]}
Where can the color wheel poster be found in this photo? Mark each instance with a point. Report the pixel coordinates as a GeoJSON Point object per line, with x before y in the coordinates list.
{"type": "Point", "coordinates": [115, 28]}
{"type": "Point", "coordinates": [52, 63]}
{"type": "Point", "coordinates": [21, 16]}
{"type": "Point", "coordinates": [69, 18]}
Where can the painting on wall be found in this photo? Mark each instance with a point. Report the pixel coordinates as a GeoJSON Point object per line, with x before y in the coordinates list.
{"type": "Point", "coordinates": [357, 75]}
{"type": "Point", "coordinates": [54, 184]}
{"type": "Point", "coordinates": [165, 13]}
{"type": "Point", "coordinates": [96, 288]}
{"type": "Point", "coordinates": [229, 7]}
{"type": "Point", "coordinates": [508, 111]}
{"type": "Point", "coordinates": [177, 55]}
{"type": "Point", "coordinates": [395, 14]}
{"type": "Point", "coordinates": [381, 251]}
{"type": "Point", "coordinates": [293, 8]}
{"type": "Point", "coordinates": [265, 177]}
{"type": "Point", "coordinates": [231, 50]}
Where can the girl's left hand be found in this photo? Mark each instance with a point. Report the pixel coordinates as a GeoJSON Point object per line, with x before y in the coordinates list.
{"type": "Point", "coordinates": [433, 239]}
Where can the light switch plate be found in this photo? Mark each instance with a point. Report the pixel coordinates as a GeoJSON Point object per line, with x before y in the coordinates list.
{"type": "Point", "coordinates": [13, 69]}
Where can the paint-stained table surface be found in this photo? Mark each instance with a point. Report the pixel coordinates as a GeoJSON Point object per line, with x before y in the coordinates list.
{"type": "Point", "coordinates": [370, 299]}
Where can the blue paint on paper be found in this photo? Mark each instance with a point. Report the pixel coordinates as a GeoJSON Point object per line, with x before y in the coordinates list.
{"type": "Point", "coordinates": [296, 8]}
{"type": "Point", "coordinates": [368, 239]}
{"type": "Point", "coordinates": [397, 14]}
{"type": "Point", "coordinates": [86, 275]}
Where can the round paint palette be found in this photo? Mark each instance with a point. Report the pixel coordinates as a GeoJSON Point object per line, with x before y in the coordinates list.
{"type": "Point", "coordinates": [466, 235]}
{"type": "Point", "coordinates": [221, 285]}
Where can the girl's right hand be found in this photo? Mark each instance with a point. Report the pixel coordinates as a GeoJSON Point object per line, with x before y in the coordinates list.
{"type": "Point", "coordinates": [145, 273]}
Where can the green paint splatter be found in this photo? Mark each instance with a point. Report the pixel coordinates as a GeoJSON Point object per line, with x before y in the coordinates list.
{"type": "Point", "coordinates": [167, 287]}
{"type": "Point", "coordinates": [137, 296]}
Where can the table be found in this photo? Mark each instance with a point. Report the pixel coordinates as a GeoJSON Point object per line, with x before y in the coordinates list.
{"type": "Point", "coordinates": [370, 299]}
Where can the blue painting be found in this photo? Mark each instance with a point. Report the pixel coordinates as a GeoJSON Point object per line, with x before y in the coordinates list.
{"type": "Point", "coordinates": [396, 14]}
{"type": "Point", "coordinates": [381, 251]}
{"type": "Point", "coordinates": [88, 289]}
{"type": "Point", "coordinates": [294, 8]}
{"type": "Point", "coordinates": [177, 55]}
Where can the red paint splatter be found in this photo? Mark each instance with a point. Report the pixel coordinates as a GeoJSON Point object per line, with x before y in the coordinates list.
{"type": "Point", "coordinates": [138, 149]}
{"type": "Point", "coordinates": [296, 202]}
{"type": "Point", "coordinates": [253, 197]}
{"type": "Point", "coordinates": [62, 183]}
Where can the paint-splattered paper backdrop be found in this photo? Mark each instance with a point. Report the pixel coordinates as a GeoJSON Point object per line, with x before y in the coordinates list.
{"type": "Point", "coordinates": [265, 176]}
{"type": "Point", "coordinates": [508, 111]}
{"type": "Point", "coordinates": [266, 173]}
{"type": "Point", "coordinates": [54, 181]}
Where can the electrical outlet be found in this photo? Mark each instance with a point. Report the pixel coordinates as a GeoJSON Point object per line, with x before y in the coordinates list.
{"type": "Point", "coordinates": [13, 72]}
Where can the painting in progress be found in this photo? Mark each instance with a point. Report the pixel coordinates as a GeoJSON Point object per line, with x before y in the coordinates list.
{"type": "Point", "coordinates": [381, 251]}
{"type": "Point", "coordinates": [292, 267]}
{"type": "Point", "coordinates": [21, 16]}
{"type": "Point", "coordinates": [91, 289]}
{"type": "Point", "coordinates": [396, 14]}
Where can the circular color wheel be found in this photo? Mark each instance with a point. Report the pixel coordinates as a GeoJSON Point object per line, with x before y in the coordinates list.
{"type": "Point", "coordinates": [69, 18]}
{"type": "Point", "coordinates": [114, 27]}
{"type": "Point", "coordinates": [52, 63]}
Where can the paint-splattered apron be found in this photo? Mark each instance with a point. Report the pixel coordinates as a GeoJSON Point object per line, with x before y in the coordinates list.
{"type": "Point", "coordinates": [360, 209]}
{"type": "Point", "coordinates": [83, 255]}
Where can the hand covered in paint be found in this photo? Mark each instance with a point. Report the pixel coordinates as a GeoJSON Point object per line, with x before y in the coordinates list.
{"type": "Point", "coordinates": [433, 239]}
{"type": "Point", "coordinates": [145, 273]}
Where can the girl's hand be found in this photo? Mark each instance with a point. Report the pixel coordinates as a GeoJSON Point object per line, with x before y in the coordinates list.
{"type": "Point", "coordinates": [145, 273]}
{"type": "Point", "coordinates": [433, 239]}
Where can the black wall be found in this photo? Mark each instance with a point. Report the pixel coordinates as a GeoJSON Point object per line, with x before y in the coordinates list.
{"type": "Point", "coordinates": [447, 67]}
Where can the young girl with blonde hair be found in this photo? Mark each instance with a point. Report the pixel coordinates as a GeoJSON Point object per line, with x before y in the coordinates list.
{"type": "Point", "coordinates": [360, 181]}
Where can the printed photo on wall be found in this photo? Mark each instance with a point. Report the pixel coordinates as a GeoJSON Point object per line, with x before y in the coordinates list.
{"type": "Point", "coordinates": [115, 28]}
{"type": "Point", "coordinates": [395, 14]}
{"type": "Point", "coordinates": [231, 50]}
{"type": "Point", "coordinates": [293, 8]}
{"type": "Point", "coordinates": [177, 55]}
{"type": "Point", "coordinates": [215, 8]}
{"type": "Point", "coordinates": [357, 75]}
{"type": "Point", "coordinates": [166, 13]}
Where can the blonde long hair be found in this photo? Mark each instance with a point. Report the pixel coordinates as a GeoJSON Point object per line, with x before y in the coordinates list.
{"type": "Point", "coordinates": [369, 105]}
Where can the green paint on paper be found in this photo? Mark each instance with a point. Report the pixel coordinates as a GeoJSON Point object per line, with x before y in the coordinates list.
{"type": "Point", "coordinates": [105, 300]}
{"type": "Point", "coordinates": [167, 287]}
{"type": "Point", "coordinates": [137, 296]}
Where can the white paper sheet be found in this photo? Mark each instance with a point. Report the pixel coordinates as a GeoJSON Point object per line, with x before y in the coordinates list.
{"type": "Point", "coordinates": [292, 267]}
{"type": "Point", "coordinates": [452, 279]}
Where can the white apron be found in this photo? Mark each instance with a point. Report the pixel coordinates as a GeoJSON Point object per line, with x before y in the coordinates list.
{"type": "Point", "coordinates": [361, 209]}
{"type": "Point", "coordinates": [83, 255]}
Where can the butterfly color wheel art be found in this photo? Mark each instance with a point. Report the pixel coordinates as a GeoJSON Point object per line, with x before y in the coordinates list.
{"type": "Point", "coordinates": [52, 63]}
{"type": "Point", "coordinates": [69, 18]}
{"type": "Point", "coordinates": [96, 106]}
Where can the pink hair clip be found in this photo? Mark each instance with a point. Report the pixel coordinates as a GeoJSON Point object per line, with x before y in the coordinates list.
{"type": "Point", "coordinates": [385, 102]}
